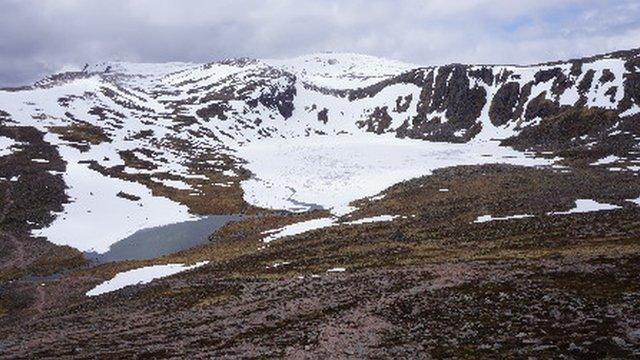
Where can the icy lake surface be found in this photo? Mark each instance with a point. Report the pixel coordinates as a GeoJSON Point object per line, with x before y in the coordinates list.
{"type": "Point", "coordinates": [333, 171]}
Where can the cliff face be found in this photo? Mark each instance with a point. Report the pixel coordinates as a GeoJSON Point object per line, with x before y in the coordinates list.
{"type": "Point", "coordinates": [457, 102]}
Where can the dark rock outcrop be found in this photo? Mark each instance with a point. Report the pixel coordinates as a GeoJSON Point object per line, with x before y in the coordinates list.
{"type": "Point", "coordinates": [504, 103]}
{"type": "Point", "coordinates": [377, 122]}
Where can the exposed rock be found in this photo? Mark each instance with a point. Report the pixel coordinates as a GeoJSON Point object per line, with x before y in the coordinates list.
{"type": "Point", "coordinates": [607, 76]}
{"type": "Point", "coordinates": [541, 107]}
{"type": "Point", "coordinates": [503, 106]}
{"type": "Point", "coordinates": [377, 122]}
{"type": "Point", "coordinates": [403, 103]}
{"type": "Point", "coordinates": [127, 196]}
{"type": "Point", "coordinates": [323, 115]}
{"type": "Point", "coordinates": [484, 74]}
{"type": "Point", "coordinates": [587, 80]}
{"type": "Point", "coordinates": [214, 110]}
{"type": "Point", "coordinates": [631, 92]}
{"type": "Point", "coordinates": [557, 131]}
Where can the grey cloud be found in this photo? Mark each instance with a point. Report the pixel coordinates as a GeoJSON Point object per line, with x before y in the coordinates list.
{"type": "Point", "coordinates": [42, 36]}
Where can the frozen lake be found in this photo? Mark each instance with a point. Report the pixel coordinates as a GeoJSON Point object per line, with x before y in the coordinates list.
{"type": "Point", "coordinates": [332, 171]}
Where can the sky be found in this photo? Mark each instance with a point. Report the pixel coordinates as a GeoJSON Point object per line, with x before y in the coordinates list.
{"type": "Point", "coordinates": [40, 37]}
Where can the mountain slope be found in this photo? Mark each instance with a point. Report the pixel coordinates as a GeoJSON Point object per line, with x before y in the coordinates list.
{"type": "Point", "coordinates": [161, 142]}
{"type": "Point", "coordinates": [459, 211]}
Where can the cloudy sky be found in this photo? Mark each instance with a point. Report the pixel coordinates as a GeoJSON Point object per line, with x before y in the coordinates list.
{"type": "Point", "coordinates": [38, 37]}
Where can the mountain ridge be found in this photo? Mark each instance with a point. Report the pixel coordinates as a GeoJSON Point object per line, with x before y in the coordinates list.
{"type": "Point", "coordinates": [385, 211]}
{"type": "Point", "coordinates": [175, 130]}
{"type": "Point", "coordinates": [99, 67]}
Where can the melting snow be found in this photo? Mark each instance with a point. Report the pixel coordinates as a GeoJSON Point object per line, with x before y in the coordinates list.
{"type": "Point", "coordinates": [632, 111]}
{"type": "Point", "coordinates": [278, 264]}
{"type": "Point", "coordinates": [315, 224]}
{"type": "Point", "coordinates": [229, 173]}
{"type": "Point", "coordinates": [337, 269]}
{"type": "Point", "coordinates": [587, 205]}
{"type": "Point", "coordinates": [176, 184]}
{"type": "Point", "coordinates": [96, 217]}
{"type": "Point", "coordinates": [372, 219]}
{"type": "Point", "coordinates": [5, 145]}
{"type": "Point", "coordinates": [139, 276]}
{"type": "Point", "coordinates": [488, 218]}
{"type": "Point", "coordinates": [607, 160]}
{"type": "Point", "coordinates": [298, 228]}
{"type": "Point", "coordinates": [307, 172]}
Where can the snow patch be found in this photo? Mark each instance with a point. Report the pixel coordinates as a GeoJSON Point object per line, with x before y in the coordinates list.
{"type": "Point", "coordinates": [635, 201]}
{"type": "Point", "coordinates": [372, 219]}
{"type": "Point", "coordinates": [298, 228]}
{"type": "Point", "coordinates": [176, 184]}
{"type": "Point", "coordinates": [96, 217]}
{"type": "Point", "coordinates": [6, 145]}
{"type": "Point", "coordinates": [315, 224]}
{"type": "Point", "coordinates": [140, 276]}
{"type": "Point", "coordinates": [229, 173]}
{"type": "Point", "coordinates": [488, 218]}
{"type": "Point", "coordinates": [586, 206]}
{"type": "Point", "coordinates": [606, 160]}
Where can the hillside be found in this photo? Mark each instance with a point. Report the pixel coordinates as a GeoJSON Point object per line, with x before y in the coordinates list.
{"type": "Point", "coordinates": [375, 193]}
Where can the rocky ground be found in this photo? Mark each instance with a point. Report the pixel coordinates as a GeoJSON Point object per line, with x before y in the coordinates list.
{"type": "Point", "coordinates": [29, 192]}
{"type": "Point", "coordinates": [436, 281]}
{"type": "Point", "coordinates": [432, 283]}
{"type": "Point", "coordinates": [578, 307]}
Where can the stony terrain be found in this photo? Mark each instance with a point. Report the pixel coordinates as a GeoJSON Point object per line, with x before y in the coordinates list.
{"type": "Point", "coordinates": [543, 286]}
{"type": "Point", "coordinates": [477, 261]}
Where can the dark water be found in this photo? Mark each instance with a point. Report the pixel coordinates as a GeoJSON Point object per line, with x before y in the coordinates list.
{"type": "Point", "coordinates": [302, 206]}
{"type": "Point", "coordinates": [154, 242]}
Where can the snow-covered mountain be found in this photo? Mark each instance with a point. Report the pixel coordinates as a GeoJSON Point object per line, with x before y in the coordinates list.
{"type": "Point", "coordinates": [239, 100]}
{"type": "Point", "coordinates": [161, 142]}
